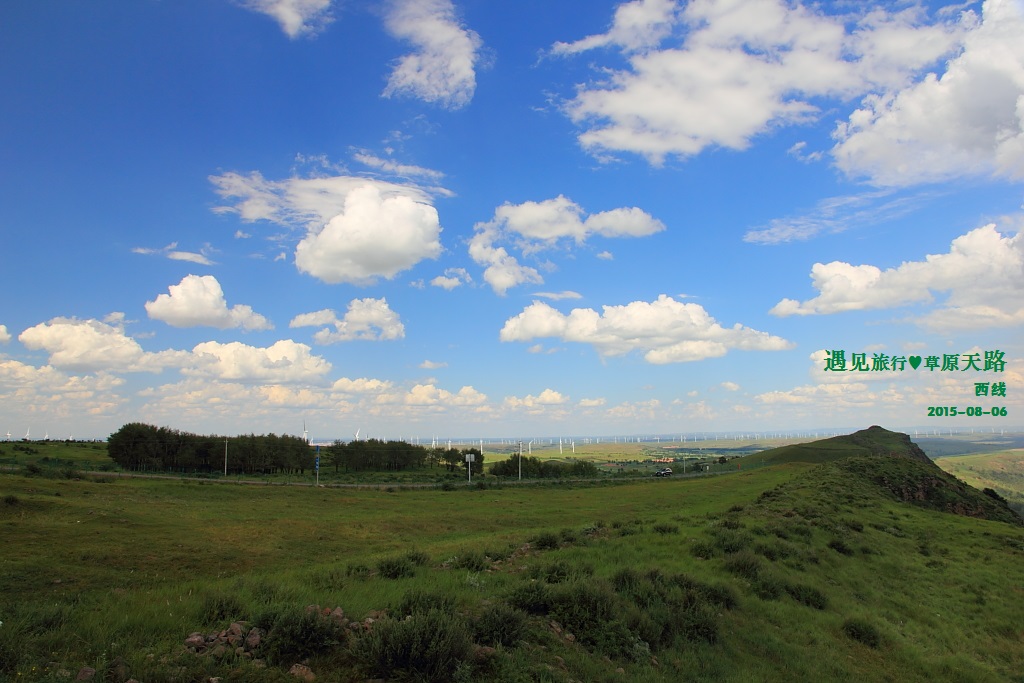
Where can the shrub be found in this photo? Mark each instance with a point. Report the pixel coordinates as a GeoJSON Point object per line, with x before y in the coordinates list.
{"type": "Point", "coordinates": [297, 635]}
{"type": "Point", "coordinates": [839, 545]}
{"type": "Point", "coordinates": [591, 612]}
{"type": "Point", "coordinates": [807, 595]}
{"type": "Point", "coordinates": [745, 564]}
{"type": "Point", "coordinates": [767, 586]}
{"type": "Point", "coordinates": [421, 602]}
{"type": "Point", "coordinates": [562, 571]}
{"type": "Point", "coordinates": [474, 561]}
{"type": "Point", "coordinates": [545, 541]}
{"type": "Point", "coordinates": [33, 469]}
{"type": "Point", "coordinates": [863, 631]}
{"type": "Point", "coordinates": [500, 624]}
{"type": "Point", "coordinates": [418, 558]}
{"type": "Point", "coordinates": [665, 529]}
{"type": "Point", "coordinates": [11, 500]}
{"type": "Point", "coordinates": [703, 549]}
{"type": "Point", "coordinates": [533, 598]}
{"type": "Point", "coordinates": [431, 646]}
{"type": "Point", "coordinates": [854, 525]}
{"type": "Point", "coordinates": [218, 607]}
{"type": "Point", "coordinates": [396, 568]}
{"type": "Point", "coordinates": [731, 541]}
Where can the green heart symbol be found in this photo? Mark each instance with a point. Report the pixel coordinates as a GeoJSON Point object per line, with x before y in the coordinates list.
{"type": "Point", "coordinates": [914, 361]}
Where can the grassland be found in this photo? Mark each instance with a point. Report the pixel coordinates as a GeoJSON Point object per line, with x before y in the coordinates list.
{"type": "Point", "coordinates": [1002, 471]}
{"type": "Point", "coordinates": [795, 571]}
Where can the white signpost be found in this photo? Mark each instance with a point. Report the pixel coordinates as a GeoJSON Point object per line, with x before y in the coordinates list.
{"type": "Point", "coordinates": [470, 459]}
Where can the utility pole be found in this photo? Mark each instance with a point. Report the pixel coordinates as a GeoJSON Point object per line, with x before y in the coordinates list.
{"type": "Point", "coordinates": [225, 456]}
{"type": "Point", "coordinates": [520, 460]}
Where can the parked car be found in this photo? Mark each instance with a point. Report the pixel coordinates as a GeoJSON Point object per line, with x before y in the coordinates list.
{"type": "Point", "coordinates": [664, 472]}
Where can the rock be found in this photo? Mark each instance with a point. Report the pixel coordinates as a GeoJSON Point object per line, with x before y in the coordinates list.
{"type": "Point", "coordinates": [196, 641]}
{"type": "Point", "coordinates": [86, 673]}
{"type": "Point", "coordinates": [338, 616]}
{"type": "Point", "coordinates": [253, 638]}
{"type": "Point", "coordinates": [235, 629]}
{"type": "Point", "coordinates": [303, 672]}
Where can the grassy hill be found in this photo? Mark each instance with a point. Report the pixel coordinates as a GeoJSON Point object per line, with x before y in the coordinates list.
{"type": "Point", "coordinates": [845, 568]}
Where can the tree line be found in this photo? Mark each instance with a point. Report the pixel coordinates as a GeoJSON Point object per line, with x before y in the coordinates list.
{"type": "Point", "coordinates": [137, 446]}
{"type": "Point", "coordinates": [535, 468]}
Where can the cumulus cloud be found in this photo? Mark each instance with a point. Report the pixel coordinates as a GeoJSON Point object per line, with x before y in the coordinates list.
{"type": "Point", "coordinates": [5, 336]}
{"type": "Point", "coordinates": [982, 255]}
{"type": "Point", "coordinates": [432, 365]}
{"type": "Point", "coordinates": [452, 278]}
{"type": "Point", "coordinates": [430, 395]}
{"type": "Point", "coordinates": [545, 399]}
{"type": "Point", "coordinates": [442, 67]}
{"type": "Point", "coordinates": [366, 319]}
{"type": "Point", "coordinates": [300, 202]}
{"type": "Point", "coordinates": [968, 120]}
{"type": "Point", "coordinates": [48, 393]}
{"type": "Point", "coordinates": [724, 72]}
{"type": "Point", "coordinates": [730, 386]}
{"type": "Point", "coordinates": [296, 17]}
{"type": "Point", "coordinates": [373, 236]}
{"type": "Point", "coordinates": [94, 346]}
{"type": "Point", "coordinates": [285, 361]}
{"type": "Point", "coordinates": [665, 330]}
{"type": "Point", "coordinates": [198, 300]}
{"type": "Point", "coordinates": [535, 226]}
{"type": "Point", "coordinates": [363, 385]}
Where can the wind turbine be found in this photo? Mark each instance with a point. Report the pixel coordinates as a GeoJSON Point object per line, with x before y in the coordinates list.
{"type": "Point", "coordinates": [27, 432]}
{"type": "Point", "coordinates": [8, 434]}
{"type": "Point", "coordinates": [305, 433]}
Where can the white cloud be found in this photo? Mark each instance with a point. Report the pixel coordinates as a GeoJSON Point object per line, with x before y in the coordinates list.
{"type": "Point", "coordinates": [46, 393]}
{"type": "Point", "coordinates": [503, 271]}
{"type": "Point", "coordinates": [452, 278]}
{"type": "Point", "coordinates": [5, 336]}
{"type": "Point", "coordinates": [535, 226]}
{"type": "Point", "coordinates": [199, 301]}
{"type": "Point", "coordinates": [968, 120]}
{"type": "Point", "coordinates": [442, 67]}
{"type": "Point", "coordinates": [592, 402]}
{"type": "Point", "coordinates": [399, 169]}
{"type": "Point", "coordinates": [284, 361]}
{"type": "Point", "coordinates": [835, 214]}
{"type": "Point", "coordinates": [737, 69]}
{"type": "Point", "coordinates": [366, 319]}
{"type": "Point", "coordinates": [172, 252]}
{"type": "Point", "coordinates": [981, 272]}
{"type": "Point", "coordinates": [534, 404]}
{"type": "Point", "coordinates": [296, 17]}
{"type": "Point", "coordinates": [430, 395]}
{"type": "Point", "coordinates": [730, 386]}
{"type": "Point", "coordinates": [94, 346]}
{"type": "Point", "coordinates": [374, 236]}
{"type": "Point", "coordinates": [432, 365]}
{"type": "Point", "coordinates": [300, 202]}
{"type": "Point", "coordinates": [637, 25]}
{"type": "Point", "coordinates": [665, 330]}
{"type": "Point", "coordinates": [559, 296]}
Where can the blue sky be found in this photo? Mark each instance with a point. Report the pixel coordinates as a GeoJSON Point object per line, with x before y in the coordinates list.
{"type": "Point", "coordinates": [445, 217]}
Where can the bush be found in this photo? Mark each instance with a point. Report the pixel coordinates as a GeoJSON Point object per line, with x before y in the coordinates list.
{"type": "Point", "coordinates": [396, 568]}
{"type": "Point", "coordinates": [421, 602]}
{"type": "Point", "coordinates": [11, 500]}
{"type": "Point", "coordinates": [546, 541]}
{"type": "Point", "coordinates": [474, 561]}
{"type": "Point", "coordinates": [745, 564]}
{"type": "Point", "coordinates": [294, 636]}
{"type": "Point", "coordinates": [500, 624]}
{"type": "Point", "coordinates": [863, 631]}
{"type": "Point", "coordinates": [705, 550]}
{"type": "Point", "coordinates": [591, 611]}
{"type": "Point", "coordinates": [840, 547]}
{"type": "Point", "coordinates": [357, 571]}
{"type": "Point", "coordinates": [562, 572]}
{"type": "Point", "coordinates": [219, 607]}
{"type": "Point", "coordinates": [430, 646]}
{"type": "Point", "coordinates": [533, 598]}
{"type": "Point", "coordinates": [665, 529]}
{"type": "Point", "coordinates": [768, 586]}
{"type": "Point", "coordinates": [808, 595]}
{"type": "Point", "coordinates": [418, 558]}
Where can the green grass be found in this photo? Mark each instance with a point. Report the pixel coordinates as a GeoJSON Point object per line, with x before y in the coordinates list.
{"type": "Point", "coordinates": [804, 573]}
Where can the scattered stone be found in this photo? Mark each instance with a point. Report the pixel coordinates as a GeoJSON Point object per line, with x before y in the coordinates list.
{"type": "Point", "coordinates": [303, 672]}
{"type": "Point", "coordinates": [86, 673]}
